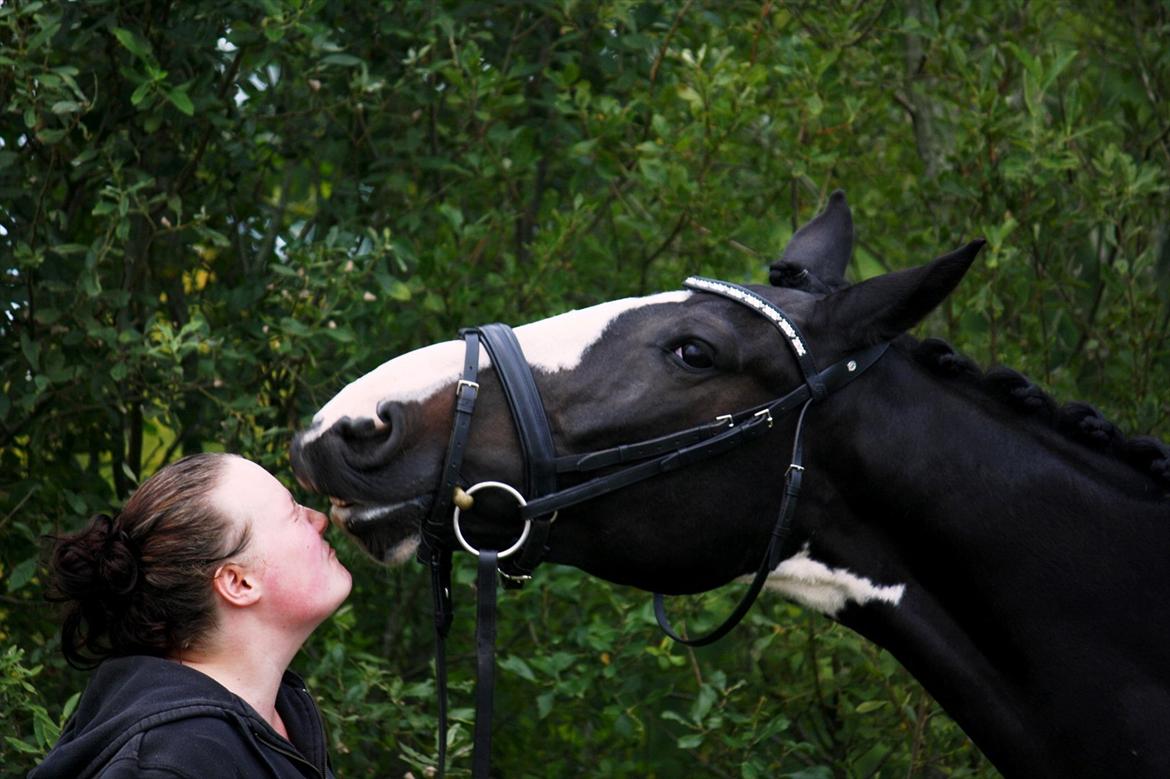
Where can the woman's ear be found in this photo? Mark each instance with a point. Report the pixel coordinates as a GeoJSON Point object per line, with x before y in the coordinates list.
{"type": "Point", "coordinates": [235, 584]}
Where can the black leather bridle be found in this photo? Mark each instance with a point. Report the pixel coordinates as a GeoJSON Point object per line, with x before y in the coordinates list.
{"type": "Point", "coordinates": [541, 499]}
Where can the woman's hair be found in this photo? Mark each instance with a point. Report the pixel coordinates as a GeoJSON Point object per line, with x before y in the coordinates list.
{"type": "Point", "coordinates": [139, 582]}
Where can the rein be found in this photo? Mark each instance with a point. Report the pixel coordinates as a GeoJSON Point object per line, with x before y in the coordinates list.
{"type": "Point", "coordinates": [641, 460]}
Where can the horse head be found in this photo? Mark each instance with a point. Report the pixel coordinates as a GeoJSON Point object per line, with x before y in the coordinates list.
{"type": "Point", "coordinates": [628, 370]}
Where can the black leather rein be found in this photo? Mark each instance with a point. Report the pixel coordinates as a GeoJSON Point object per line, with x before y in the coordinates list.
{"type": "Point", "coordinates": [631, 463]}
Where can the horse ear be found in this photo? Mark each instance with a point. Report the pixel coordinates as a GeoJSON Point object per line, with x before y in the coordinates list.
{"type": "Point", "coordinates": [886, 306]}
{"type": "Point", "coordinates": [816, 257]}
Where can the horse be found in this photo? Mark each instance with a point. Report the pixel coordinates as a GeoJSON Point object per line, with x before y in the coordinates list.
{"type": "Point", "coordinates": [1009, 552]}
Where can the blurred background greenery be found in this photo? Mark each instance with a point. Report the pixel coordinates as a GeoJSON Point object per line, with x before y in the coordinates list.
{"type": "Point", "coordinates": [214, 214]}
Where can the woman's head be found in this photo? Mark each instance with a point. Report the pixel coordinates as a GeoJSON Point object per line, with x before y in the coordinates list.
{"type": "Point", "coordinates": [140, 582]}
{"type": "Point", "coordinates": [289, 578]}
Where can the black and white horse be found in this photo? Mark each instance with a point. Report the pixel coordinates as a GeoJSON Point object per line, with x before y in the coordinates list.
{"type": "Point", "coordinates": [1010, 553]}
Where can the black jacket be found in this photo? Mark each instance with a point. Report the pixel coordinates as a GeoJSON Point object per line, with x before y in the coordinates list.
{"type": "Point", "coordinates": [154, 718]}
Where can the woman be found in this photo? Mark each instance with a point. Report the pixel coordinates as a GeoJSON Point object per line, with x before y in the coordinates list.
{"type": "Point", "coordinates": [192, 603]}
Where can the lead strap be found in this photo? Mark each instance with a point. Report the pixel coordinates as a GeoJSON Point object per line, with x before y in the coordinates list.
{"type": "Point", "coordinates": [485, 653]}
{"type": "Point", "coordinates": [441, 592]}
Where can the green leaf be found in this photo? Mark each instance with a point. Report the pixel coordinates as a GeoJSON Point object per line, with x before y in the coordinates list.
{"type": "Point", "coordinates": [70, 706]}
{"type": "Point", "coordinates": [345, 60]}
{"type": "Point", "coordinates": [692, 97]}
{"type": "Point", "coordinates": [31, 351]}
{"type": "Point", "coordinates": [21, 574]}
{"type": "Point", "coordinates": [815, 772]}
{"type": "Point", "coordinates": [544, 704]}
{"type": "Point", "coordinates": [50, 137]}
{"type": "Point", "coordinates": [141, 92]}
{"type": "Point", "coordinates": [181, 101]}
{"type": "Point", "coordinates": [44, 728]}
{"type": "Point", "coordinates": [76, 504]}
{"type": "Point", "coordinates": [453, 214]}
{"type": "Point", "coordinates": [131, 42]}
{"type": "Point", "coordinates": [516, 665]}
{"type": "Point", "coordinates": [703, 703]}
{"type": "Point", "coordinates": [1062, 61]}
{"type": "Point", "coordinates": [22, 746]}
{"type": "Point", "coordinates": [583, 148]}
{"type": "Point", "coordinates": [868, 706]}
{"type": "Point", "coordinates": [294, 327]}
{"type": "Point", "coordinates": [397, 290]}
{"type": "Point", "coordinates": [869, 763]}
{"type": "Point", "coordinates": [750, 770]}
{"type": "Point", "coordinates": [1025, 58]}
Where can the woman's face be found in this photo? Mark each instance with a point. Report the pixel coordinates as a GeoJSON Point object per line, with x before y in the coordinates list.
{"type": "Point", "coordinates": [302, 581]}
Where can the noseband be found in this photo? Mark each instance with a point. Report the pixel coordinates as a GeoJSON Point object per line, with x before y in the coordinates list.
{"type": "Point", "coordinates": [542, 500]}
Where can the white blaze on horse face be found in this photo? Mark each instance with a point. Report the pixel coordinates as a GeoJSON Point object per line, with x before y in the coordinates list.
{"type": "Point", "coordinates": [817, 586]}
{"type": "Point", "coordinates": [554, 344]}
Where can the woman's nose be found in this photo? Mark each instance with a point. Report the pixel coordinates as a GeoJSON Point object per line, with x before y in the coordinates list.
{"type": "Point", "coordinates": [319, 520]}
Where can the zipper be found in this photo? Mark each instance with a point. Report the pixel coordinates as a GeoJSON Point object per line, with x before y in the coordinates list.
{"type": "Point", "coordinates": [284, 747]}
{"type": "Point", "coordinates": [324, 745]}
{"type": "Point", "coordinates": [281, 749]}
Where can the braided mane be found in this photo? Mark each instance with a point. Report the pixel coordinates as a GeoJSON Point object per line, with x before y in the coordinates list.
{"type": "Point", "coordinates": [1078, 421]}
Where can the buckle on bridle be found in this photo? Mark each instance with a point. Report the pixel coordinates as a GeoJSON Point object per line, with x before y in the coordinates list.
{"type": "Point", "coordinates": [463, 384]}
{"type": "Point", "coordinates": [767, 413]}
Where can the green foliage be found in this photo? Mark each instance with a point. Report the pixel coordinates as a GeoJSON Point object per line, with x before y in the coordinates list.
{"type": "Point", "coordinates": [214, 214]}
{"type": "Point", "coordinates": [19, 697]}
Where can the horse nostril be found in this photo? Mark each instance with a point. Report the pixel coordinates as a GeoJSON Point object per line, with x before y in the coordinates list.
{"type": "Point", "coordinates": [366, 443]}
{"type": "Point", "coordinates": [388, 412]}
{"type": "Point", "coordinates": [353, 428]}
{"type": "Point", "coordinates": [394, 416]}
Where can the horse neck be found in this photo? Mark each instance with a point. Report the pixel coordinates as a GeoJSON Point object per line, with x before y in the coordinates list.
{"type": "Point", "coordinates": [1035, 608]}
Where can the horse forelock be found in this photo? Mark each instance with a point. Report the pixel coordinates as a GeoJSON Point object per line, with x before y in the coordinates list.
{"type": "Point", "coordinates": [1075, 420]}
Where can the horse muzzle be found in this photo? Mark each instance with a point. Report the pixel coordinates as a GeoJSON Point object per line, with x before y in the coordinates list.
{"type": "Point", "coordinates": [388, 532]}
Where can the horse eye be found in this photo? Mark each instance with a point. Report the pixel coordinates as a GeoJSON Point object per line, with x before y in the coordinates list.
{"type": "Point", "coordinates": [695, 354]}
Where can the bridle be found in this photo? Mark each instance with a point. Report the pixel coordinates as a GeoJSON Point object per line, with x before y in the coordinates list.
{"type": "Point", "coordinates": [624, 465]}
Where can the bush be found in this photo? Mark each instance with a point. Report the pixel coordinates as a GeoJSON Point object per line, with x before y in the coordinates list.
{"type": "Point", "coordinates": [214, 214]}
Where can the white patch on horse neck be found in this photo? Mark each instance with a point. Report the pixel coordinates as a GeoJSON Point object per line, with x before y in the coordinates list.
{"type": "Point", "coordinates": [554, 344]}
{"type": "Point", "coordinates": [817, 586]}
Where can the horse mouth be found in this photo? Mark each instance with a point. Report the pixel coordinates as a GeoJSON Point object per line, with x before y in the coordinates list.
{"type": "Point", "coordinates": [389, 532]}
